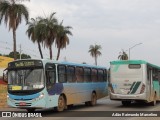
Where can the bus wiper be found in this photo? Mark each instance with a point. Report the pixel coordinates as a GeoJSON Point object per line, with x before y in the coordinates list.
{"type": "Point", "coordinates": [29, 72]}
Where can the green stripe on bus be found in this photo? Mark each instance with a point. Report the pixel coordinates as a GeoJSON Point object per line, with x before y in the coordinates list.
{"type": "Point", "coordinates": [135, 87]}
{"type": "Point", "coordinates": [116, 67]}
{"type": "Point", "coordinates": [132, 86]}
{"type": "Point", "coordinates": [121, 62]}
{"type": "Point", "coordinates": [156, 85]}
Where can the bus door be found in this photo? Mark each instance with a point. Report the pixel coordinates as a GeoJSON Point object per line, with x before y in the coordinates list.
{"type": "Point", "coordinates": [50, 78]}
{"type": "Point", "coordinates": [150, 84]}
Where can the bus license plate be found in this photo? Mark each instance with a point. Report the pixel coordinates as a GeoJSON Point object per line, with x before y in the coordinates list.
{"type": "Point", "coordinates": [22, 103]}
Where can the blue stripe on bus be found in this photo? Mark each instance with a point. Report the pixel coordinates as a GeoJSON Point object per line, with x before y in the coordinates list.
{"type": "Point", "coordinates": [26, 97]}
{"type": "Point", "coordinates": [56, 89]}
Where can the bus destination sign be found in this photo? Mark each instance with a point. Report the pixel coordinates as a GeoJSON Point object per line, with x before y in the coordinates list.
{"type": "Point", "coordinates": [24, 63]}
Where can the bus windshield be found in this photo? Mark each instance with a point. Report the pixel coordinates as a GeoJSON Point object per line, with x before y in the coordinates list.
{"type": "Point", "coordinates": [25, 79]}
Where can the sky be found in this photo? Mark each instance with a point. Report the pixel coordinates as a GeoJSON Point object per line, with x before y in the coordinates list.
{"type": "Point", "coordinates": [116, 25]}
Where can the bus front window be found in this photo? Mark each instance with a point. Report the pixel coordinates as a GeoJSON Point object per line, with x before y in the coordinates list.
{"type": "Point", "coordinates": [26, 79]}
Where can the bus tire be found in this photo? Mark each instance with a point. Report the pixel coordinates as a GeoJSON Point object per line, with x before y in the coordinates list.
{"type": "Point", "coordinates": [126, 103]}
{"type": "Point", "coordinates": [153, 103]}
{"type": "Point", "coordinates": [93, 99]}
{"type": "Point", "coordinates": [61, 104]}
{"type": "Point", "coordinates": [30, 110]}
{"type": "Point", "coordinates": [87, 103]}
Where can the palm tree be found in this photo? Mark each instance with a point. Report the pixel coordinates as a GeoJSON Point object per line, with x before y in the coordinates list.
{"type": "Point", "coordinates": [94, 50]}
{"type": "Point", "coordinates": [36, 32]}
{"type": "Point", "coordinates": [62, 39]}
{"type": "Point", "coordinates": [51, 29]}
{"type": "Point", "coordinates": [12, 14]}
{"type": "Point", "coordinates": [123, 56]}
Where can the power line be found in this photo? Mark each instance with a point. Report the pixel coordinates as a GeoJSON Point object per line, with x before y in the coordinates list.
{"type": "Point", "coordinates": [6, 43]}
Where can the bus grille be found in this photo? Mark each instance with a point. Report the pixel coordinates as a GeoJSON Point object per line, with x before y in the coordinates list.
{"type": "Point", "coordinates": [23, 99]}
{"type": "Point", "coordinates": [27, 104]}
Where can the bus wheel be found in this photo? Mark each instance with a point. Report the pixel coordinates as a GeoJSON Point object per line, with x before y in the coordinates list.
{"type": "Point", "coordinates": [153, 103]}
{"type": "Point", "coordinates": [87, 103]}
{"type": "Point", "coordinates": [93, 99]}
{"type": "Point", "coordinates": [126, 103]}
{"type": "Point", "coordinates": [31, 110]}
{"type": "Point", "coordinates": [61, 104]}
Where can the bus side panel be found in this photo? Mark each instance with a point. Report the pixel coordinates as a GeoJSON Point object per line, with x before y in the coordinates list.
{"type": "Point", "coordinates": [70, 92]}
{"type": "Point", "coordinates": [100, 88]}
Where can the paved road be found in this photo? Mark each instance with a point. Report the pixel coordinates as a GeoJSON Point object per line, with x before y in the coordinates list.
{"type": "Point", "coordinates": [103, 107]}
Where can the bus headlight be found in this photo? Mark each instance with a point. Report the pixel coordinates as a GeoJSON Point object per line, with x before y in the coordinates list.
{"type": "Point", "coordinates": [7, 96]}
{"type": "Point", "coordinates": [39, 97]}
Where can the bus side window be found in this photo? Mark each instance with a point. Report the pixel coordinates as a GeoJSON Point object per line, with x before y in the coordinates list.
{"type": "Point", "coordinates": [50, 73]}
{"type": "Point", "coordinates": [94, 75]}
{"type": "Point", "coordinates": [79, 74]}
{"type": "Point", "coordinates": [100, 75]}
{"type": "Point", "coordinates": [155, 74]}
{"type": "Point", "coordinates": [51, 76]}
{"type": "Point", "coordinates": [148, 73]}
{"type": "Point", "coordinates": [106, 76]}
{"type": "Point", "coordinates": [62, 73]}
{"type": "Point", "coordinates": [87, 74]}
{"type": "Point", "coordinates": [70, 74]}
{"type": "Point", "coordinates": [159, 76]}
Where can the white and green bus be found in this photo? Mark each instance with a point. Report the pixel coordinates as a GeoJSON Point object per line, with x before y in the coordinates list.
{"type": "Point", "coordinates": [134, 80]}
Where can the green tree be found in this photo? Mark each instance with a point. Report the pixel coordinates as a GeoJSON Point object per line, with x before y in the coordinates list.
{"type": "Point", "coordinates": [23, 56]}
{"type": "Point", "coordinates": [94, 51]}
{"type": "Point", "coordinates": [51, 24]}
{"type": "Point", "coordinates": [123, 56]}
{"type": "Point", "coordinates": [36, 32]}
{"type": "Point", "coordinates": [62, 39]}
{"type": "Point", "coordinates": [12, 14]}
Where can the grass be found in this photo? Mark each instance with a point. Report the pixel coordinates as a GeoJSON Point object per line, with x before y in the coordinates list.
{"type": "Point", "coordinates": [3, 96]}
{"type": "Point", "coordinates": [4, 61]}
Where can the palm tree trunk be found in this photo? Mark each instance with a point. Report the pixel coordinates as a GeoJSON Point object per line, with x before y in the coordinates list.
{"type": "Point", "coordinates": [58, 54]}
{"type": "Point", "coordinates": [40, 51]}
{"type": "Point", "coordinates": [96, 60]}
{"type": "Point", "coordinates": [14, 43]}
{"type": "Point", "coordinates": [50, 50]}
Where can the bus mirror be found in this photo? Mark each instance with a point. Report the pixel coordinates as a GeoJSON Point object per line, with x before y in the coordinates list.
{"type": "Point", "coordinates": [5, 75]}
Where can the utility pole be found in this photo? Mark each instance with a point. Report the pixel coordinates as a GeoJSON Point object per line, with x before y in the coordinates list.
{"type": "Point", "coordinates": [132, 48]}
{"type": "Point", "coordinates": [20, 51]}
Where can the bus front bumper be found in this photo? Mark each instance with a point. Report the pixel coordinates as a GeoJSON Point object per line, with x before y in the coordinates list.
{"type": "Point", "coordinates": [27, 103]}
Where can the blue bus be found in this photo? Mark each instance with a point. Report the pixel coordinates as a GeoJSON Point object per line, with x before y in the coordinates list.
{"type": "Point", "coordinates": [37, 84]}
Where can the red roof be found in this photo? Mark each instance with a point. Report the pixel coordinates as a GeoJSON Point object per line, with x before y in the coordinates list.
{"type": "Point", "coordinates": [2, 82]}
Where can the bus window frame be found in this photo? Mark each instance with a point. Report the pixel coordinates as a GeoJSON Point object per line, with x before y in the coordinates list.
{"type": "Point", "coordinates": [92, 75]}
{"type": "Point", "coordinates": [72, 75]}
{"type": "Point", "coordinates": [49, 83]}
{"type": "Point", "coordinates": [102, 76]}
{"type": "Point", "coordinates": [79, 76]}
{"type": "Point", "coordinates": [65, 74]}
{"type": "Point", "coordinates": [88, 75]}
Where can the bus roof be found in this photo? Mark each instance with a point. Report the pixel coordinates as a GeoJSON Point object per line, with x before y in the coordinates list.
{"type": "Point", "coordinates": [133, 62]}
{"type": "Point", "coordinates": [66, 63]}
{"type": "Point", "coordinates": [82, 65]}
{"type": "Point", "coordinates": [74, 64]}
